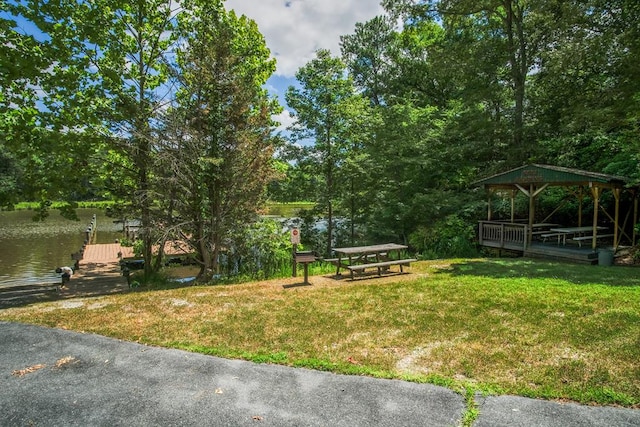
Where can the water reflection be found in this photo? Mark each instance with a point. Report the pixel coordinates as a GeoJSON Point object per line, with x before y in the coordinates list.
{"type": "Point", "coordinates": [30, 251]}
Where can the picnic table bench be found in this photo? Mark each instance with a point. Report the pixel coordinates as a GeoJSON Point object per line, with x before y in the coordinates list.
{"type": "Point", "coordinates": [547, 235]}
{"type": "Point", "coordinates": [381, 266]}
{"type": "Point", "coordinates": [581, 239]}
{"type": "Point", "coordinates": [336, 261]}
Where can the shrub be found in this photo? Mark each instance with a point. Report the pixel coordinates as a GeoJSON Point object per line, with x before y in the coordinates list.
{"type": "Point", "coordinates": [260, 250]}
{"type": "Point", "coordinates": [449, 237]}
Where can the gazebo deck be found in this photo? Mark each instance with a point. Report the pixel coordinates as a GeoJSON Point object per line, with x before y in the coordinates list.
{"type": "Point", "coordinates": [563, 253]}
{"type": "Point", "coordinates": [529, 237]}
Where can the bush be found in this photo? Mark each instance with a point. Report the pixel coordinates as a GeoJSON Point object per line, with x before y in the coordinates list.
{"type": "Point", "coordinates": [260, 250]}
{"type": "Point", "coordinates": [449, 237]}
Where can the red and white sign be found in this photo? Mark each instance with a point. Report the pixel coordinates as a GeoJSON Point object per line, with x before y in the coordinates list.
{"type": "Point", "coordinates": [295, 236]}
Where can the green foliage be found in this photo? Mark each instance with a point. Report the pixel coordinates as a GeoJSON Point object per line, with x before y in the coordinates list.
{"type": "Point", "coordinates": [9, 175]}
{"type": "Point", "coordinates": [402, 125]}
{"type": "Point", "coordinates": [366, 55]}
{"type": "Point", "coordinates": [216, 157]}
{"type": "Point", "coordinates": [323, 106]}
{"type": "Point", "coordinates": [463, 90]}
{"type": "Point", "coordinates": [259, 250]}
{"type": "Point", "coordinates": [449, 237]}
{"type": "Point", "coordinates": [287, 210]}
{"type": "Point", "coordinates": [155, 280]}
{"type": "Point", "coordinates": [138, 247]}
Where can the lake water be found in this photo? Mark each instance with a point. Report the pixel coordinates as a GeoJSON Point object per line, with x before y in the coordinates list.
{"type": "Point", "coordinates": [30, 251]}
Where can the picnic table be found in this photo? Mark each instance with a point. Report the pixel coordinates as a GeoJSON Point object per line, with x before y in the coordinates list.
{"type": "Point", "coordinates": [575, 233]}
{"type": "Point", "coordinates": [544, 225]}
{"type": "Point", "coordinates": [359, 258]}
{"type": "Point", "coordinates": [541, 228]}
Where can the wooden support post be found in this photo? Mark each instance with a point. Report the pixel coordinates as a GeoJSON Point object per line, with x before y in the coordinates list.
{"type": "Point", "coordinates": [532, 193]}
{"type": "Point", "coordinates": [580, 200]}
{"type": "Point", "coordinates": [616, 194]}
{"type": "Point", "coordinates": [513, 204]}
{"type": "Point", "coordinates": [489, 206]}
{"type": "Point", "coordinates": [635, 216]}
{"type": "Point", "coordinates": [596, 201]}
{"type": "Point", "coordinates": [532, 214]}
{"type": "Point", "coordinates": [306, 273]}
{"type": "Point", "coordinates": [295, 263]}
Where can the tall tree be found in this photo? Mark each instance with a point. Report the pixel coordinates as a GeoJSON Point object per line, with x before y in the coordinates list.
{"type": "Point", "coordinates": [497, 44]}
{"type": "Point", "coordinates": [221, 153]}
{"type": "Point", "coordinates": [366, 54]}
{"type": "Point", "coordinates": [319, 107]}
{"type": "Point", "coordinates": [108, 83]}
{"type": "Point", "coordinates": [586, 91]}
{"type": "Point", "coordinates": [26, 59]}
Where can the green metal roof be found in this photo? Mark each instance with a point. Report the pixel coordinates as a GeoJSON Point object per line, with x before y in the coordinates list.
{"type": "Point", "coordinates": [553, 175]}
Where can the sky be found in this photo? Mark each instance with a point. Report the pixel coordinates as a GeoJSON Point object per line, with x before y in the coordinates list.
{"type": "Point", "coordinates": [295, 29]}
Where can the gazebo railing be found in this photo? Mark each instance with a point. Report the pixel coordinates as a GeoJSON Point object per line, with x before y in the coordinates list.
{"type": "Point", "coordinates": [503, 235]}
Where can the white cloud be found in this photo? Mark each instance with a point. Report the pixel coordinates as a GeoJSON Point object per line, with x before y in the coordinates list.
{"type": "Point", "coordinates": [285, 119]}
{"type": "Point", "coordinates": [295, 29]}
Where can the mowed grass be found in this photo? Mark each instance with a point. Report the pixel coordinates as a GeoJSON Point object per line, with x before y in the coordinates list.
{"type": "Point", "coordinates": [516, 326]}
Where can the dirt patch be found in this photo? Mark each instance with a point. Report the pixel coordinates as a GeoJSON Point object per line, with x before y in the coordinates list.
{"type": "Point", "coordinates": [628, 256]}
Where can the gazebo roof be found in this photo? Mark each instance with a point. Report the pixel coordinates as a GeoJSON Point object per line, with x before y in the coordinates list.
{"type": "Point", "coordinates": [551, 175]}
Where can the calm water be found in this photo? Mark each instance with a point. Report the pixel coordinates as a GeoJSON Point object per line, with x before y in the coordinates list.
{"type": "Point", "coordinates": [30, 251]}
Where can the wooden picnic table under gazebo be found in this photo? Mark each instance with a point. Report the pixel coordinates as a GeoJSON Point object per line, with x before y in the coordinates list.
{"type": "Point", "coordinates": [532, 180]}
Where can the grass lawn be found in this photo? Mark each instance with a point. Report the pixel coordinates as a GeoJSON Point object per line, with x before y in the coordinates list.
{"type": "Point", "coordinates": [515, 326]}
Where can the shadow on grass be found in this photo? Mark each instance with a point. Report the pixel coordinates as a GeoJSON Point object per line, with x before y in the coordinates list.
{"type": "Point", "coordinates": [531, 268]}
{"type": "Point", "coordinates": [296, 285]}
{"type": "Point", "coordinates": [18, 296]}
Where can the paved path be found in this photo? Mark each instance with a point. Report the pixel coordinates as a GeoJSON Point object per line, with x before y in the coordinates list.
{"type": "Point", "coordinates": [52, 377]}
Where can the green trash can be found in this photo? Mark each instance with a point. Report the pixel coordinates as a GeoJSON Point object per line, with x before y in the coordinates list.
{"type": "Point", "coordinates": [605, 257]}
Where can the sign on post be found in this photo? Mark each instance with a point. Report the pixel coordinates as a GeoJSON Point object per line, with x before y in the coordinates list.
{"type": "Point", "coordinates": [295, 236]}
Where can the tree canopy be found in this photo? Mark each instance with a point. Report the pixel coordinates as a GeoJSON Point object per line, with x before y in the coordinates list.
{"type": "Point", "coordinates": [161, 105]}
{"type": "Point", "coordinates": [461, 89]}
{"type": "Point", "coordinates": [156, 104]}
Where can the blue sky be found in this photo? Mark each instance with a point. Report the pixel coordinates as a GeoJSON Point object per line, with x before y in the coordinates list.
{"type": "Point", "coordinates": [295, 29]}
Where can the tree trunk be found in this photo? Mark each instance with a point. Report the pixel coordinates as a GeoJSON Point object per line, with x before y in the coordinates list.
{"type": "Point", "coordinates": [329, 190]}
{"type": "Point", "coordinates": [518, 64]}
{"type": "Point", "coordinates": [353, 212]}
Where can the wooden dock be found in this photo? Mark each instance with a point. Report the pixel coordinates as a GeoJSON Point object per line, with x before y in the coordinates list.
{"type": "Point", "coordinates": [104, 254]}
{"type": "Point", "coordinates": [99, 274]}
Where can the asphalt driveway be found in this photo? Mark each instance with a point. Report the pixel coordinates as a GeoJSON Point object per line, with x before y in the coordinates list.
{"type": "Point", "coordinates": [53, 377]}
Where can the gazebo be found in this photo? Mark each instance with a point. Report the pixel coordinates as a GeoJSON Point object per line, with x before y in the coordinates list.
{"type": "Point", "coordinates": [531, 180]}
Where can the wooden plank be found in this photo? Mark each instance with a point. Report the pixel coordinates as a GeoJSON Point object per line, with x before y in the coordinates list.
{"type": "Point", "coordinates": [380, 265]}
{"type": "Point", "coordinates": [370, 249]}
{"type": "Point", "coordinates": [581, 239]}
{"type": "Point", "coordinates": [547, 235]}
{"type": "Point", "coordinates": [599, 236]}
{"type": "Point", "coordinates": [334, 261]}
{"type": "Point", "coordinates": [305, 258]}
{"type": "Point", "coordinates": [562, 253]}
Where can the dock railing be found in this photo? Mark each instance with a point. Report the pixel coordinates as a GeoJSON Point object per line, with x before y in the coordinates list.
{"type": "Point", "coordinates": [503, 235]}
